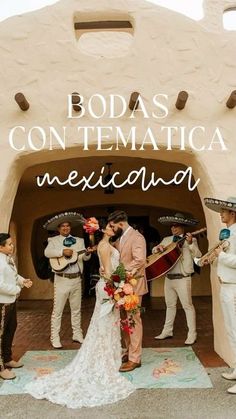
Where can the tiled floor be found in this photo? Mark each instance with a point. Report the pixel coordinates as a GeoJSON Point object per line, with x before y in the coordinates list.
{"type": "Point", "coordinates": [34, 327]}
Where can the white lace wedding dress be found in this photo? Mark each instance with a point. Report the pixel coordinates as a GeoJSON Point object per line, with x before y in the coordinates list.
{"type": "Point", "coordinates": [92, 378]}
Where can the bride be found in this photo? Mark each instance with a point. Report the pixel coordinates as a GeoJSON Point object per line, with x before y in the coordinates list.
{"type": "Point", "coordinates": [92, 378]}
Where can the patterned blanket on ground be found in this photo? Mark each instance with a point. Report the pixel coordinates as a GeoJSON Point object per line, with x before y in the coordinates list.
{"type": "Point", "coordinates": [161, 368]}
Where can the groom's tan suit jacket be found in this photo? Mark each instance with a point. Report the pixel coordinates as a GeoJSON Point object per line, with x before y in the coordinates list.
{"type": "Point", "coordinates": [132, 248]}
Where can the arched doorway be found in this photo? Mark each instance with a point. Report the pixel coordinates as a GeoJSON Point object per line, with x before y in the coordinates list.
{"type": "Point", "coordinates": [31, 203]}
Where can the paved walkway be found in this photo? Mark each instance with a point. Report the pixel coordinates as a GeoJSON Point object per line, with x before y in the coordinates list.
{"type": "Point", "coordinates": [143, 404]}
{"type": "Point", "coordinates": [34, 327]}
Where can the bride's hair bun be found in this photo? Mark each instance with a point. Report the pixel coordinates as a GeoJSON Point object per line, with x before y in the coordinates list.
{"type": "Point", "coordinates": [102, 223]}
{"type": "Point", "coordinates": [99, 233]}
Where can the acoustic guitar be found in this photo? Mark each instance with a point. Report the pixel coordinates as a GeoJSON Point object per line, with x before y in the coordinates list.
{"type": "Point", "coordinates": [60, 263]}
{"type": "Point", "coordinates": [160, 263]}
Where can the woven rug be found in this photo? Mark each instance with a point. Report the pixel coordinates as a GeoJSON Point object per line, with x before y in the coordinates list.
{"type": "Point", "coordinates": [161, 368]}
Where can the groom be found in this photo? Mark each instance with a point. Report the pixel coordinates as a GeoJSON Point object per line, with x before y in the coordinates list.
{"type": "Point", "coordinates": [132, 248]}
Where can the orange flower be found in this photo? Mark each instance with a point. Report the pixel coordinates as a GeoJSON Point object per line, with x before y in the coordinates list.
{"type": "Point", "coordinates": [131, 302]}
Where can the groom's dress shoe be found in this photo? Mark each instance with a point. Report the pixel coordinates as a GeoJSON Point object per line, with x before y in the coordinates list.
{"type": "Point", "coordinates": [164, 335]}
{"type": "Point", "coordinates": [129, 366]}
{"type": "Point", "coordinates": [229, 375]}
{"type": "Point", "coordinates": [14, 364]}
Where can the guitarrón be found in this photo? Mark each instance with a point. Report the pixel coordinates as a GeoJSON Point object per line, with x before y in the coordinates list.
{"type": "Point", "coordinates": [160, 263]}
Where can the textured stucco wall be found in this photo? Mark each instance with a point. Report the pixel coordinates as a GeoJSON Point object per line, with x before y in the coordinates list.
{"type": "Point", "coordinates": [40, 57]}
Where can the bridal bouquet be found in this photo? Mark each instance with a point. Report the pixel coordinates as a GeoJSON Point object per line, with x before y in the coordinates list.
{"type": "Point", "coordinates": [120, 290]}
{"type": "Point", "coordinates": [91, 225]}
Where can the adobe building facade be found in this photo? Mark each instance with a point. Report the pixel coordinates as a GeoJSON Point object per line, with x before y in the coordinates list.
{"type": "Point", "coordinates": [45, 56]}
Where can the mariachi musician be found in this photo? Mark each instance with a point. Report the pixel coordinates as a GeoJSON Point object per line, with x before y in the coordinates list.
{"type": "Point", "coordinates": [178, 279]}
{"type": "Point", "coordinates": [226, 271]}
{"type": "Point", "coordinates": [67, 283]}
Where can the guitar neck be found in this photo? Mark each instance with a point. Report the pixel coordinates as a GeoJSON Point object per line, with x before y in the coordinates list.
{"type": "Point", "coordinates": [194, 233]}
{"type": "Point", "coordinates": [80, 252]}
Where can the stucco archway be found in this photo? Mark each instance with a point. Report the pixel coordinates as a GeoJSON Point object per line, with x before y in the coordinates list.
{"type": "Point", "coordinates": [30, 204]}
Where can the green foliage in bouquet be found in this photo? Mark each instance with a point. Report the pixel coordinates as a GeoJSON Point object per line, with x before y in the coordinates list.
{"type": "Point", "coordinates": [120, 271]}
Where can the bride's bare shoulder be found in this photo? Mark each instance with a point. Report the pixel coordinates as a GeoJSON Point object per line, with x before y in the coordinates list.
{"type": "Point", "coordinates": [103, 246]}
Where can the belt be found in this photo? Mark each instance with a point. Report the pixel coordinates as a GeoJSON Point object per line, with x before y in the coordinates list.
{"type": "Point", "coordinates": [70, 276]}
{"type": "Point", "coordinates": [227, 283]}
{"type": "Point", "coordinates": [177, 276]}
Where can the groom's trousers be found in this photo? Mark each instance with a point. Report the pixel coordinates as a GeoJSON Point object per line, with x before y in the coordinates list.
{"type": "Point", "coordinates": [133, 342]}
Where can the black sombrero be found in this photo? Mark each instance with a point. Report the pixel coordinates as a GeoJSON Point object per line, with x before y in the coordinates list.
{"type": "Point", "coordinates": [219, 204]}
{"type": "Point", "coordinates": [74, 218]}
{"type": "Point", "coordinates": [177, 218]}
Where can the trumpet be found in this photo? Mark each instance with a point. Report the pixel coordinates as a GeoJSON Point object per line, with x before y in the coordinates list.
{"type": "Point", "coordinates": [210, 256]}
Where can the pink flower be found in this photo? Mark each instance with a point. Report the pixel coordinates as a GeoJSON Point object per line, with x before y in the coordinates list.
{"type": "Point", "coordinates": [93, 220]}
{"type": "Point", "coordinates": [129, 275]}
{"type": "Point", "coordinates": [121, 302]}
{"type": "Point", "coordinates": [128, 289]}
{"type": "Point", "coordinates": [118, 290]}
